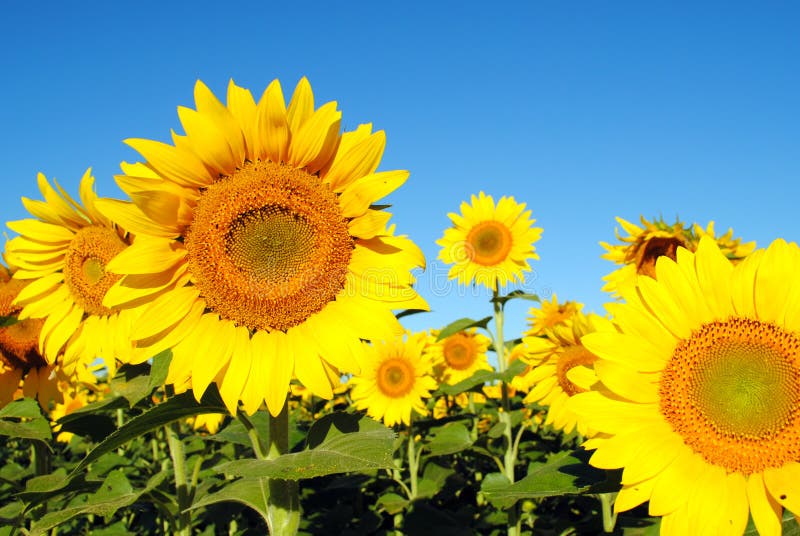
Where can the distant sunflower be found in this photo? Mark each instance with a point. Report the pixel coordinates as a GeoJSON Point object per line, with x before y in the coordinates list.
{"type": "Point", "coordinates": [459, 356]}
{"type": "Point", "coordinates": [258, 255]}
{"type": "Point", "coordinates": [561, 367]}
{"type": "Point", "coordinates": [550, 314]}
{"type": "Point", "coordinates": [699, 399]}
{"type": "Point", "coordinates": [62, 255]}
{"type": "Point", "coordinates": [396, 381]}
{"type": "Point", "coordinates": [489, 245]}
{"type": "Point", "coordinates": [643, 246]}
{"type": "Point", "coordinates": [23, 370]}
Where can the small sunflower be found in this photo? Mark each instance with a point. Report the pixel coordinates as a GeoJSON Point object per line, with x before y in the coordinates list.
{"type": "Point", "coordinates": [699, 393]}
{"type": "Point", "coordinates": [62, 255]}
{"type": "Point", "coordinates": [23, 370]}
{"type": "Point", "coordinates": [459, 356]}
{"type": "Point", "coordinates": [489, 245]}
{"type": "Point", "coordinates": [396, 381]}
{"type": "Point", "coordinates": [259, 255]}
{"type": "Point", "coordinates": [643, 246]}
{"type": "Point", "coordinates": [561, 367]}
{"type": "Point", "coordinates": [550, 314]}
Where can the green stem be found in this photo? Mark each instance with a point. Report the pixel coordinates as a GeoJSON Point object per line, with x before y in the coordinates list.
{"type": "Point", "coordinates": [283, 507]}
{"type": "Point", "coordinates": [178, 455]}
{"type": "Point", "coordinates": [609, 517]}
{"type": "Point", "coordinates": [510, 457]}
{"type": "Point", "coordinates": [413, 460]}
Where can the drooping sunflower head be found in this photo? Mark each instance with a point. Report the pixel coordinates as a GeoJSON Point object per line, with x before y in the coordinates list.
{"type": "Point", "coordinates": [561, 367]}
{"type": "Point", "coordinates": [257, 237]}
{"type": "Point", "coordinates": [642, 247]}
{"type": "Point", "coordinates": [700, 389]}
{"type": "Point", "coordinates": [61, 254]}
{"type": "Point", "coordinates": [397, 380]}
{"type": "Point", "coordinates": [459, 356]}
{"type": "Point", "coordinates": [489, 244]}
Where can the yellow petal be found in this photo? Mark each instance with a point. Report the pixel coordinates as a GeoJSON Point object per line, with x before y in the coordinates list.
{"type": "Point", "coordinates": [134, 220]}
{"type": "Point", "coordinates": [214, 341]}
{"type": "Point", "coordinates": [272, 124]}
{"type": "Point", "coordinates": [177, 164]}
{"type": "Point", "coordinates": [165, 310]}
{"type": "Point", "coordinates": [359, 161]}
{"type": "Point", "coordinates": [766, 511]}
{"type": "Point", "coordinates": [37, 287]}
{"type": "Point", "coordinates": [369, 224]}
{"type": "Point", "coordinates": [243, 107]}
{"type": "Point", "coordinates": [301, 107]}
{"type": "Point", "coordinates": [783, 484]}
{"type": "Point", "coordinates": [627, 383]}
{"type": "Point", "coordinates": [633, 495]}
{"type": "Point", "coordinates": [357, 197]}
{"type": "Point", "coordinates": [147, 256]}
{"type": "Point", "coordinates": [308, 365]}
{"type": "Point", "coordinates": [209, 142]}
{"type": "Point", "coordinates": [41, 231]}
{"type": "Point", "coordinates": [209, 106]}
{"type": "Point", "coordinates": [276, 353]}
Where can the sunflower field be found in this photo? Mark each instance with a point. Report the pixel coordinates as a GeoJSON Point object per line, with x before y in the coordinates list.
{"type": "Point", "coordinates": [223, 352]}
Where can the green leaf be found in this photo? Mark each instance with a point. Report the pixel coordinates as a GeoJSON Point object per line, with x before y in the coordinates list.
{"type": "Point", "coordinates": [175, 408]}
{"type": "Point", "coordinates": [159, 370]}
{"type": "Point", "coordinates": [113, 494]}
{"type": "Point", "coordinates": [11, 513]}
{"type": "Point", "coordinates": [562, 474]}
{"type": "Point", "coordinates": [252, 492]}
{"type": "Point", "coordinates": [409, 312]}
{"type": "Point", "coordinates": [482, 377]}
{"type": "Point", "coordinates": [338, 443]}
{"type": "Point", "coordinates": [236, 433]}
{"type": "Point", "coordinates": [392, 503]}
{"type": "Point", "coordinates": [449, 439]}
{"type": "Point", "coordinates": [461, 324]}
{"type": "Point", "coordinates": [515, 295]}
{"type": "Point", "coordinates": [34, 426]}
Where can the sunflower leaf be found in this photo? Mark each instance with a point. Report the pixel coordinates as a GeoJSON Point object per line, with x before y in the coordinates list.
{"type": "Point", "coordinates": [337, 443]}
{"type": "Point", "coordinates": [461, 324]}
{"type": "Point", "coordinates": [32, 426]}
{"type": "Point", "coordinates": [175, 408]}
{"type": "Point", "coordinates": [482, 377]}
{"type": "Point", "coordinates": [252, 492]}
{"type": "Point", "coordinates": [449, 439]}
{"type": "Point", "coordinates": [564, 473]}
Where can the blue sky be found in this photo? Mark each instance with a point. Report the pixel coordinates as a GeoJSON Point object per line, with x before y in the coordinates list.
{"type": "Point", "coordinates": [583, 110]}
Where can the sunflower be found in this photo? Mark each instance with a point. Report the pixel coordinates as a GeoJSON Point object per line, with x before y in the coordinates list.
{"type": "Point", "coordinates": [397, 379]}
{"type": "Point", "coordinates": [489, 245]}
{"type": "Point", "coordinates": [561, 367]}
{"type": "Point", "coordinates": [459, 356]}
{"type": "Point", "coordinates": [62, 255]}
{"type": "Point", "coordinates": [644, 245]}
{"type": "Point", "coordinates": [550, 314]}
{"type": "Point", "coordinates": [699, 399]}
{"type": "Point", "coordinates": [23, 370]}
{"type": "Point", "coordinates": [259, 255]}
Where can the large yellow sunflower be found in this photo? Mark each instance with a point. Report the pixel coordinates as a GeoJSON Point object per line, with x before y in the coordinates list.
{"type": "Point", "coordinates": [639, 251]}
{"type": "Point", "coordinates": [258, 253]}
{"type": "Point", "coordinates": [397, 379]}
{"type": "Point", "coordinates": [699, 399]}
{"type": "Point", "coordinates": [459, 356]}
{"type": "Point", "coordinates": [560, 366]}
{"type": "Point", "coordinates": [489, 245]}
{"type": "Point", "coordinates": [62, 254]}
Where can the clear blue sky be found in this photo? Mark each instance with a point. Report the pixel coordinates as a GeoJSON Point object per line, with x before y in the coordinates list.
{"type": "Point", "coordinates": [582, 110]}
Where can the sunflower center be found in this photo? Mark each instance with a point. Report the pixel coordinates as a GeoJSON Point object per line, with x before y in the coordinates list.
{"type": "Point", "coordinates": [489, 243]}
{"type": "Point", "coordinates": [268, 246]}
{"type": "Point", "coordinates": [84, 267]}
{"type": "Point", "coordinates": [459, 351]}
{"type": "Point", "coordinates": [732, 390]}
{"type": "Point", "coordinates": [571, 357]}
{"type": "Point", "coordinates": [655, 247]}
{"type": "Point", "coordinates": [19, 344]}
{"type": "Point", "coordinates": [395, 377]}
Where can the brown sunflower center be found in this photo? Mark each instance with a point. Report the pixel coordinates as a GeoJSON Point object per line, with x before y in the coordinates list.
{"type": "Point", "coordinates": [395, 377]}
{"type": "Point", "coordinates": [488, 243]}
{"type": "Point", "coordinates": [84, 267]}
{"type": "Point", "coordinates": [657, 246]}
{"type": "Point", "coordinates": [19, 344]}
{"type": "Point", "coordinates": [732, 391]}
{"type": "Point", "coordinates": [460, 351]}
{"type": "Point", "coordinates": [269, 246]}
{"type": "Point", "coordinates": [571, 357]}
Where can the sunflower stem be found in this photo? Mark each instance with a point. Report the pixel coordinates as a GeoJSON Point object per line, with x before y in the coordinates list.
{"type": "Point", "coordinates": [413, 460]}
{"type": "Point", "coordinates": [609, 516]}
{"type": "Point", "coordinates": [178, 455]}
{"type": "Point", "coordinates": [510, 457]}
{"type": "Point", "coordinates": [283, 505]}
